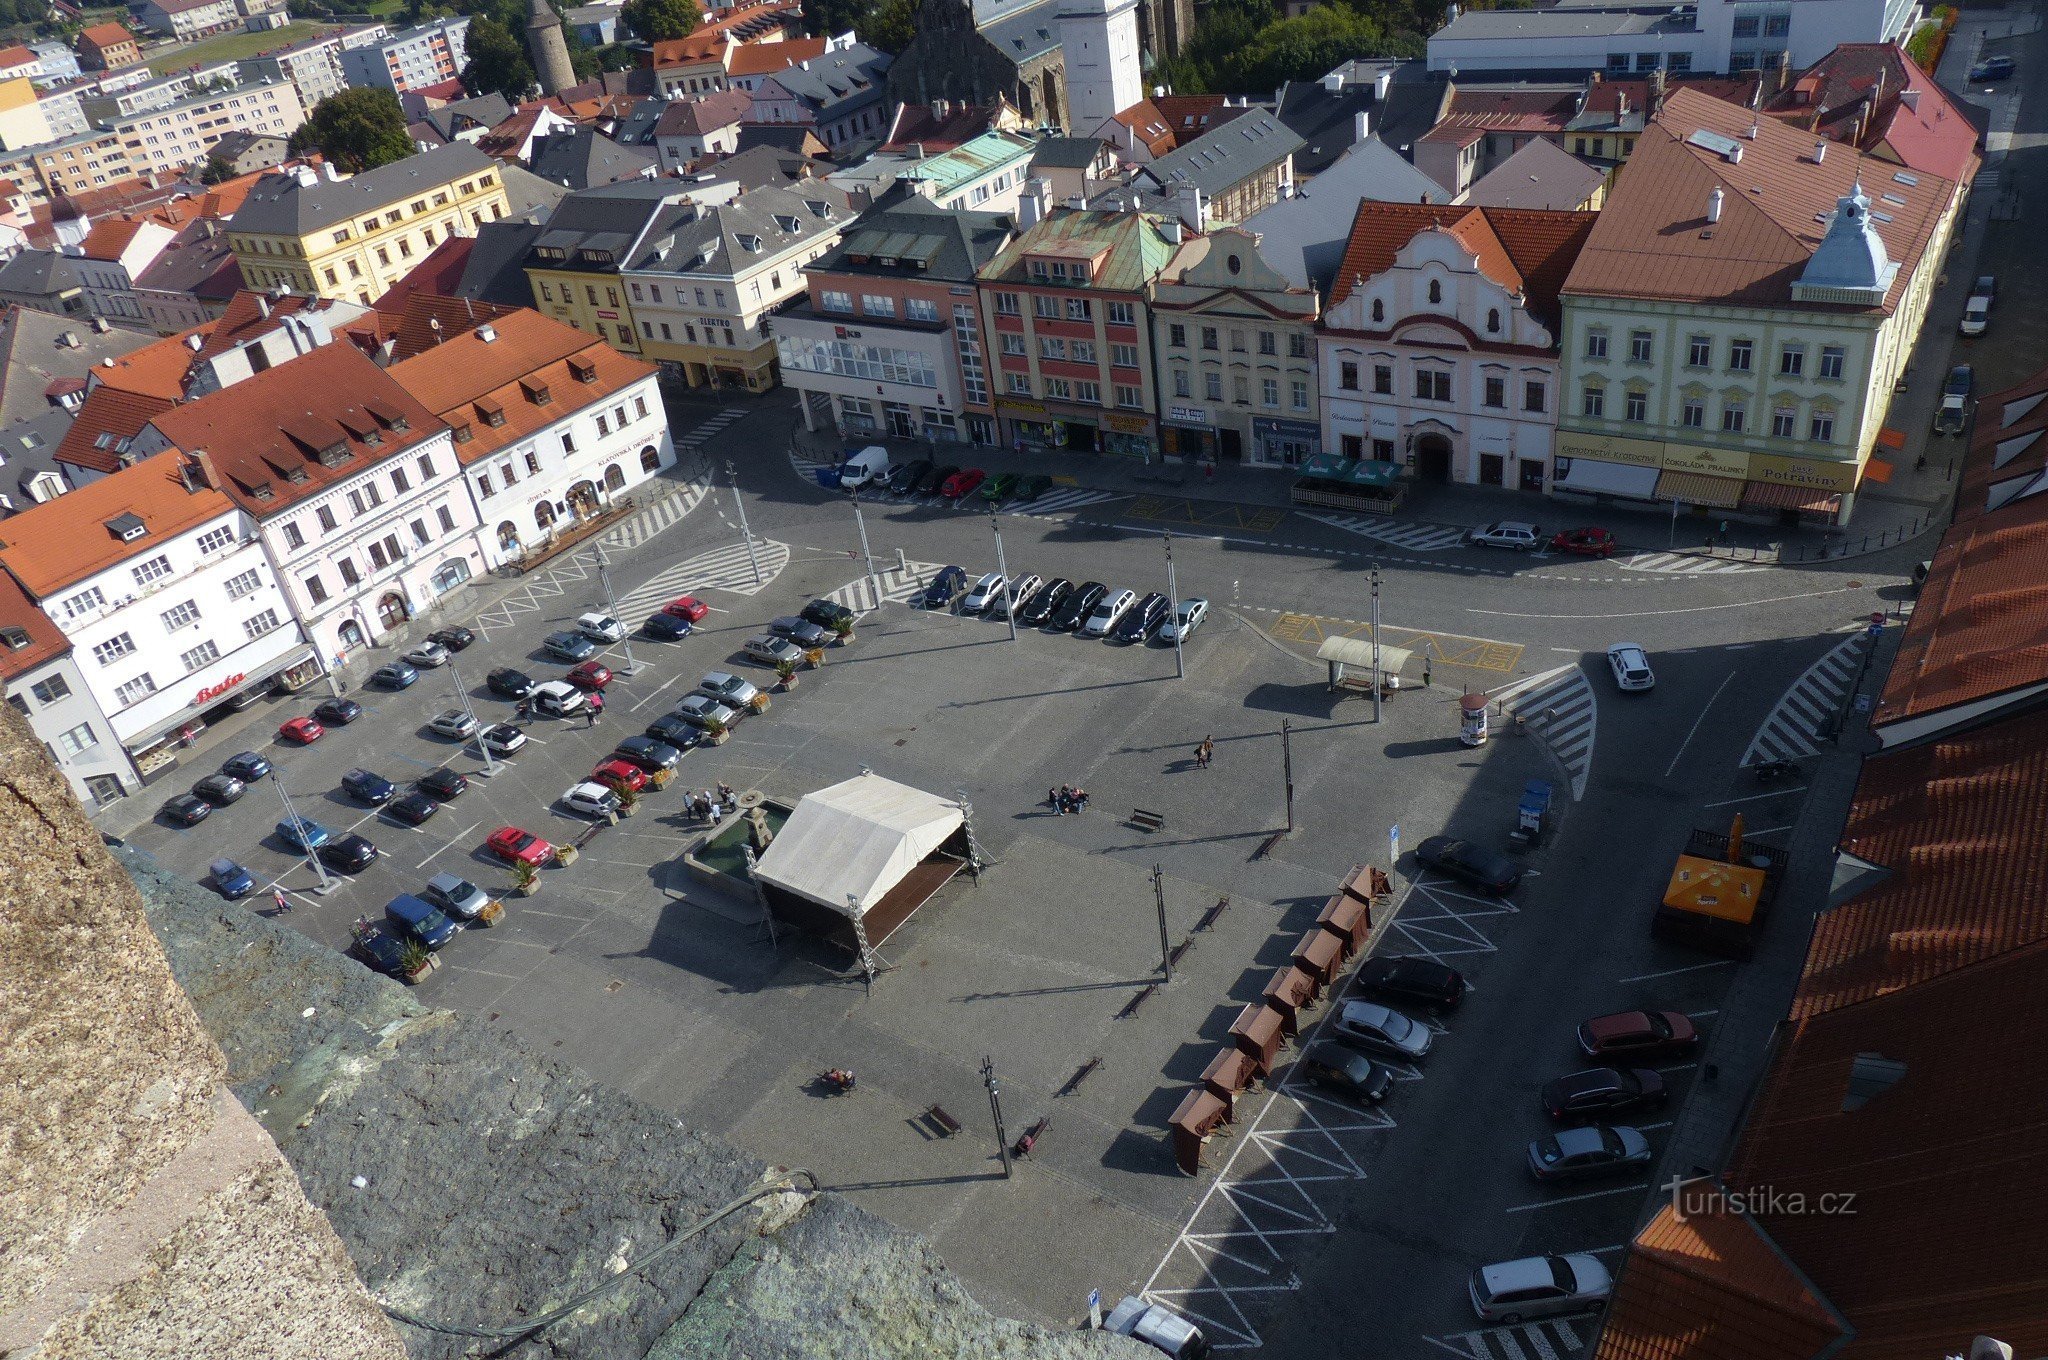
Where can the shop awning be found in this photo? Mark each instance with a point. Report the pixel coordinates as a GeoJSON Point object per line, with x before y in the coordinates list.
{"type": "Point", "coordinates": [1356, 653]}
{"type": "Point", "coordinates": [1697, 488]}
{"type": "Point", "coordinates": [1771, 496]}
{"type": "Point", "coordinates": [1590, 476]}
{"type": "Point", "coordinates": [1335, 467]}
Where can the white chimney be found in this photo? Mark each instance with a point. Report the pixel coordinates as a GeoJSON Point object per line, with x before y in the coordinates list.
{"type": "Point", "coordinates": [1735, 155]}
{"type": "Point", "coordinates": [307, 176]}
{"type": "Point", "coordinates": [1714, 205]}
{"type": "Point", "coordinates": [487, 333]}
{"type": "Point", "coordinates": [327, 168]}
{"type": "Point", "coordinates": [1750, 135]}
{"type": "Point", "coordinates": [1076, 201]}
{"type": "Point", "coordinates": [1159, 92]}
{"type": "Point", "coordinates": [1380, 85]}
{"type": "Point", "coordinates": [1170, 228]}
{"type": "Point", "coordinates": [1192, 205]}
{"type": "Point", "coordinates": [1361, 126]}
{"type": "Point", "coordinates": [1333, 83]}
{"type": "Point", "coordinates": [1820, 151]}
{"type": "Point", "coordinates": [1031, 204]}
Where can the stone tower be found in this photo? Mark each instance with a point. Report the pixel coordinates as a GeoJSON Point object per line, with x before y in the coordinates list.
{"type": "Point", "coordinates": [549, 48]}
{"type": "Point", "coordinates": [1105, 74]}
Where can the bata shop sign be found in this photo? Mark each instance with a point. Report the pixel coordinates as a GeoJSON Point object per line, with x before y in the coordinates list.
{"type": "Point", "coordinates": [212, 692]}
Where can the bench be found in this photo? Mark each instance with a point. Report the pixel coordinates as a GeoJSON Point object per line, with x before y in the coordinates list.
{"type": "Point", "coordinates": [946, 1123]}
{"type": "Point", "coordinates": [1146, 820]}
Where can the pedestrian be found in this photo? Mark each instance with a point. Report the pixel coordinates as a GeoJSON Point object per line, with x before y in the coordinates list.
{"type": "Point", "coordinates": [284, 904]}
{"type": "Point", "coordinates": [1052, 800]}
{"type": "Point", "coordinates": [1205, 753]}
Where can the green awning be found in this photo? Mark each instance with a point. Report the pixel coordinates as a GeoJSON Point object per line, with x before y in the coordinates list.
{"type": "Point", "coordinates": [1335, 467]}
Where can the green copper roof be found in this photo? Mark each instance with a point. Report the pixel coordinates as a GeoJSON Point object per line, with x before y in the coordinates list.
{"type": "Point", "coordinates": [1134, 245]}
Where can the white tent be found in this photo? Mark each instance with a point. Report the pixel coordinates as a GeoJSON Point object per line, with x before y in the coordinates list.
{"type": "Point", "coordinates": [856, 839]}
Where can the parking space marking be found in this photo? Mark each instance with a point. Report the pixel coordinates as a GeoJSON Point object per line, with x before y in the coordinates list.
{"type": "Point", "coordinates": [1674, 972]}
{"type": "Point", "coordinates": [899, 585]}
{"type": "Point", "coordinates": [1573, 1199]}
{"type": "Point", "coordinates": [1257, 519]}
{"type": "Point", "coordinates": [1450, 649]}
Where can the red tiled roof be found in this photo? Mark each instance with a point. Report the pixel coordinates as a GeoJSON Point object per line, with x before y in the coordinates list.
{"type": "Point", "coordinates": [1530, 251]}
{"type": "Point", "coordinates": [1147, 124]}
{"type": "Point", "coordinates": [16, 55]}
{"type": "Point", "coordinates": [1873, 96]}
{"type": "Point", "coordinates": [45, 640]}
{"type": "Point", "coordinates": [711, 35]}
{"type": "Point", "coordinates": [436, 275]}
{"type": "Point", "coordinates": [108, 418]}
{"type": "Point", "coordinates": [1519, 111]}
{"type": "Point", "coordinates": [63, 541]}
{"type": "Point", "coordinates": [765, 59]}
{"type": "Point", "coordinates": [109, 237]}
{"type": "Point", "coordinates": [705, 113]}
{"type": "Point", "coordinates": [105, 35]}
{"type": "Point", "coordinates": [921, 124]}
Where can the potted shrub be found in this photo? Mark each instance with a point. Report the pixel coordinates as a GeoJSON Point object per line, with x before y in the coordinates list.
{"type": "Point", "coordinates": [629, 801]}
{"type": "Point", "coordinates": [759, 703]}
{"type": "Point", "coordinates": [814, 657]}
{"type": "Point", "coordinates": [525, 878]}
{"type": "Point", "coordinates": [842, 629]}
{"type": "Point", "coordinates": [416, 960]}
{"type": "Point", "coordinates": [785, 671]}
{"type": "Point", "coordinates": [715, 733]}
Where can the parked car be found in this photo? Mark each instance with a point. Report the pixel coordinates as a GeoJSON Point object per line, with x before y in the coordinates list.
{"type": "Point", "coordinates": [368, 787]}
{"type": "Point", "coordinates": [1587, 542]}
{"type": "Point", "coordinates": [1986, 287]}
{"type": "Point", "coordinates": [231, 880]}
{"type": "Point", "coordinates": [381, 948]}
{"type": "Point", "coordinates": [1142, 619]}
{"type": "Point", "coordinates": [394, 675]}
{"type": "Point", "coordinates": [687, 607]}
{"type": "Point", "coordinates": [703, 711]}
{"type": "Point", "coordinates": [427, 656]}
{"type": "Point", "coordinates": [1631, 667]}
{"type": "Point", "coordinates": [443, 784]}
{"type": "Point", "coordinates": [770, 650]}
{"type": "Point", "coordinates": [420, 920]}
{"type": "Point", "coordinates": [904, 479]}
{"type": "Point", "coordinates": [501, 739]}
{"type": "Point", "coordinates": [1032, 487]}
{"type": "Point", "coordinates": [1961, 382]}
{"type": "Point", "coordinates": [600, 627]}
{"type": "Point", "coordinates": [648, 754]}
{"type": "Point", "coordinates": [456, 896]}
{"type": "Point", "coordinates": [515, 846]}
{"type": "Point", "coordinates": [570, 647]}
{"type": "Point", "coordinates": [453, 724]}
{"type": "Point", "coordinates": [301, 834]}
{"type": "Point", "coordinates": [864, 467]}
{"type": "Point", "coordinates": [998, 486]}
{"type": "Point", "coordinates": [984, 593]}
{"type": "Point", "coordinates": [929, 484]}
{"type": "Point", "coordinates": [219, 789]}
{"type": "Point", "coordinates": [1073, 611]}
{"type": "Point", "coordinates": [186, 809]}
{"type": "Point", "coordinates": [728, 688]}
{"type": "Point", "coordinates": [1187, 617]}
{"type": "Point", "coordinates": [667, 627]}
{"type": "Point", "coordinates": [1020, 589]}
{"type": "Point", "coordinates": [246, 766]}
{"type": "Point", "coordinates": [590, 677]}
{"type": "Point", "coordinates": [1158, 1327]}
{"type": "Point", "coordinates": [304, 731]}
{"type": "Point", "coordinates": [1506, 533]}
{"type": "Point", "coordinates": [1108, 611]}
{"type": "Point", "coordinates": [1471, 864]}
{"type": "Point", "coordinates": [672, 729]}
{"type": "Point", "coordinates": [945, 588]}
{"type": "Point", "coordinates": [1976, 316]}
{"type": "Point", "coordinates": [557, 699]}
{"type": "Point", "coordinates": [1588, 1096]}
{"type": "Point", "coordinates": [454, 637]}
{"type": "Point", "coordinates": [1337, 1067]}
{"type": "Point", "coordinates": [1418, 981]}
{"type": "Point", "coordinates": [1044, 601]}
{"type": "Point", "coordinates": [350, 855]}
{"type": "Point", "coordinates": [507, 683]}
{"type": "Point", "coordinates": [1952, 414]}
{"type": "Point", "coordinates": [1583, 1153]}
{"type": "Point", "coordinates": [961, 484]}
{"type": "Point", "coordinates": [1993, 68]}
{"type": "Point", "coordinates": [1635, 1035]}
{"type": "Point", "coordinates": [619, 774]}
{"type": "Point", "coordinates": [1539, 1287]}
{"type": "Point", "coordinates": [826, 614]}
{"type": "Point", "coordinates": [337, 712]}
{"type": "Point", "coordinates": [1381, 1029]}
{"type": "Point", "coordinates": [589, 799]}
{"type": "Point", "coordinates": [412, 808]}
{"type": "Point", "coordinates": [801, 631]}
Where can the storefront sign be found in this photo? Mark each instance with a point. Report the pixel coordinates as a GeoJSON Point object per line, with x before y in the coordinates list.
{"type": "Point", "coordinates": [1128, 424]}
{"type": "Point", "coordinates": [1270, 427]}
{"type": "Point", "coordinates": [609, 316]}
{"type": "Point", "coordinates": [212, 692]}
{"type": "Point", "coordinates": [1609, 448]}
{"type": "Point", "coordinates": [1713, 462]}
{"type": "Point", "coordinates": [1808, 473]}
{"type": "Point", "coordinates": [1191, 415]}
{"type": "Point", "coordinates": [1021, 410]}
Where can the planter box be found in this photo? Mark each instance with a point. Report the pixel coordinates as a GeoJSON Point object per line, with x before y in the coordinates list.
{"type": "Point", "coordinates": [565, 855]}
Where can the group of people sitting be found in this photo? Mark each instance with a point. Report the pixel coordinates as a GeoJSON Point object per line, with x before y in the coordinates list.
{"type": "Point", "coordinates": [704, 805]}
{"type": "Point", "coordinates": [1063, 800]}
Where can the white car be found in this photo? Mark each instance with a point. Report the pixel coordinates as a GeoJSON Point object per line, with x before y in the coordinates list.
{"type": "Point", "coordinates": [1020, 590]}
{"type": "Point", "coordinates": [590, 800]}
{"type": "Point", "coordinates": [727, 688]}
{"type": "Point", "coordinates": [501, 739]}
{"type": "Point", "coordinates": [1104, 620]}
{"type": "Point", "coordinates": [984, 593]}
{"type": "Point", "coordinates": [1540, 1286]}
{"type": "Point", "coordinates": [1507, 533]}
{"type": "Point", "coordinates": [454, 724]}
{"type": "Point", "coordinates": [557, 699]}
{"type": "Point", "coordinates": [600, 627]}
{"type": "Point", "coordinates": [1187, 617]}
{"type": "Point", "coordinates": [427, 655]}
{"type": "Point", "coordinates": [1631, 666]}
{"type": "Point", "coordinates": [1976, 316]}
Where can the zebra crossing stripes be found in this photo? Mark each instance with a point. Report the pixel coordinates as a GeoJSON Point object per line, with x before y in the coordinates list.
{"type": "Point", "coordinates": [1560, 708]}
{"type": "Point", "coordinates": [728, 568]}
{"type": "Point", "coordinates": [1791, 730]}
{"type": "Point", "coordinates": [1684, 564]}
{"type": "Point", "coordinates": [1413, 537]}
{"type": "Point", "coordinates": [1552, 1339]}
{"type": "Point", "coordinates": [679, 500]}
{"type": "Point", "coordinates": [1062, 499]}
{"type": "Point", "coordinates": [900, 585]}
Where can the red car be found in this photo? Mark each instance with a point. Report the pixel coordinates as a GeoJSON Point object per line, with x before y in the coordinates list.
{"type": "Point", "coordinates": [1634, 1035]}
{"type": "Point", "coordinates": [689, 607]}
{"type": "Point", "coordinates": [591, 675]}
{"type": "Point", "coordinates": [1584, 543]}
{"type": "Point", "coordinates": [962, 483]}
{"type": "Point", "coordinates": [514, 846]}
{"type": "Point", "coordinates": [620, 774]}
{"type": "Point", "coordinates": [304, 731]}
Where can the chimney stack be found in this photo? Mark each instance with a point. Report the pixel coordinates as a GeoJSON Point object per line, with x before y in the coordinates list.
{"type": "Point", "coordinates": [1361, 126]}
{"type": "Point", "coordinates": [1820, 151]}
{"type": "Point", "coordinates": [1714, 205]}
{"type": "Point", "coordinates": [1031, 205]}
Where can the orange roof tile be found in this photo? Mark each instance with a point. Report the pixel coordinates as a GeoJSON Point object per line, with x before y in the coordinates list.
{"type": "Point", "coordinates": [435, 275]}
{"type": "Point", "coordinates": [61, 542]}
{"type": "Point", "coordinates": [45, 639]}
{"type": "Point", "coordinates": [1527, 250]}
{"type": "Point", "coordinates": [710, 37]}
{"type": "Point", "coordinates": [109, 418]}
{"type": "Point", "coordinates": [765, 59]}
{"type": "Point", "coordinates": [106, 35]}
{"type": "Point", "coordinates": [427, 320]}
{"type": "Point", "coordinates": [109, 237]}
{"type": "Point", "coordinates": [1147, 124]}
{"type": "Point", "coordinates": [15, 55]}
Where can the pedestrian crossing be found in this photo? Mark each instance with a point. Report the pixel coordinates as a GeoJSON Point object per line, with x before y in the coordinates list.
{"type": "Point", "coordinates": [1551, 1339]}
{"type": "Point", "coordinates": [1060, 500]}
{"type": "Point", "coordinates": [705, 430]}
{"type": "Point", "coordinates": [1560, 708]}
{"type": "Point", "coordinates": [678, 500]}
{"type": "Point", "coordinates": [1412, 537]}
{"type": "Point", "coordinates": [728, 568]}
{"type": "Point", "coordinates": [1804, 710]}
{"type": "Point", "coordinates": [900, 585]}
{"type": "Point", "coordinates": [1684, 564]}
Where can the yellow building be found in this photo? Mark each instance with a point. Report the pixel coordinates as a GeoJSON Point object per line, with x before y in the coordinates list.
{"type": "Point", "coordinates": [575, 264]}
{"type": "Point", "coordinates": [21, 118]}
{"type": "Point", "coordinates": [353, 238]}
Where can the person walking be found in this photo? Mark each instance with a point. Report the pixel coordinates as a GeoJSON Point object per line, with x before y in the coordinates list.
{"type": "Point", "coordinates": [1205, 753]}
{"type": "Point", "coordinates": [284, 904]}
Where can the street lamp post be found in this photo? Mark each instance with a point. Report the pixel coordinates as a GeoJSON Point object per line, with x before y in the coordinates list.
{"type": "Point", "coordinates": [611, 603]}
{"type": "Point", "coordinates": [1180, 669]}
{"type": "Point", "coordinates": [292, 818]}
{"type": "Point", "coordinates": [740, 504]}
{"type": "Point", "coordinates": [1376, 644]}
{"type": "Point", "coordinates": [1159, 902]}
{"type": "Point", "coordinates": [867, 557]}
{"type": "Point", "coordinates": [462, 697]}
{"type": "Point", "coordinates": [1009, 591]}
{"type": "Point", "coordinates": [995, 1108]}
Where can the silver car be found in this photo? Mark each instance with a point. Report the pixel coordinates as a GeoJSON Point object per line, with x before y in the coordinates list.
{"type": "Point", "coordinates": [701, 710]}
{"type": "Point", "coordinates": [1020, 590]}
{"type": "Point", "coordinates": [770, 650]}
{"type": "Point", "coordinates": [428, 655]}
{"type": "Point", "coordinates": [983, 593]}
{"type": "Point", "coordinates": [1539, 1286]}
{"type": "Point", "coordinates": [501, 739]}
{"type": "Point", "coordinates": [456, 895]}
{"type": "Point", "coordinates": [1507, 533]}
{"type": "Point", "coordinates": [600, 627]}
{"type": "Point", "coordinates": [454, 724]}
{"type": "Point", "coordinates": [1187, 617]}
{"type": "Point", "coordinates": [1381, 1029]}
{"type": "Point", "coordinates": [590, 800]}
{"type": "Point", "coordinates": [727, 688]}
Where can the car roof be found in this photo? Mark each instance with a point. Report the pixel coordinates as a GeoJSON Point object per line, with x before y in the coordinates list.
{"type": "Point", "coordinates": [1589, 1138]}
{"type": "Point", "coordinates": [555, 687]}
{"type": "Point", "coordinates": [589, 788]}
{"type": "Point", "coordinates": [1531, 1272]}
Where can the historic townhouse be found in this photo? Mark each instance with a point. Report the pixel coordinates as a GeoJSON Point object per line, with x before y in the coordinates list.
{"type": "Point", "coordinates": [39, 672]}
{"type": "Point", "coordinates": [576, 264]}
{"type": "Point", "coordinates": [1439, 349]}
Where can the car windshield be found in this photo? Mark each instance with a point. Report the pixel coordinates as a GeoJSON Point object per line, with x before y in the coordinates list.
{"type": "Point", "coordinates": [1659, 1026]}
{"type": "Point", "coordinates": [1397, 1025]}
{"type": "Point", "coordinates": [1561, 1274]}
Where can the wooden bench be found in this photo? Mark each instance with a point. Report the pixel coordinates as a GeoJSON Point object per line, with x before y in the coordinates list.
{"type": "Point", "coordinates": [1147, 820]}
{"type": "Point", "coordinates": [946, 1124]}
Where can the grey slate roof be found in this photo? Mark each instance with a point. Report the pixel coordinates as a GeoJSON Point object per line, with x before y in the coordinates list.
{"type": "Point", "coordinates": [1413, 101]}
{"type": "Point", "coordinates": [39, 273]}
{"type": "Point", "coordinates": [280, 204]}
{"type": "Point", "coordinates": [785, 137]}
{"type": "Point", "coordinates": [29, 448]}
{"type": "Point", "coordinates": [529, 198]}
{"type": "Point", "coordinates": [730, 237]}
{"type": "Point", "coordinates": [836, 82]}
{"type": "Point", "coordinates": [954, 244]}
{"type": "Point", "coordinates": [609, 217]}
{"type": "Point", "coordinates": [759, 167]}
{"type": "Point", "coordinates": [582, 157]}
{"type": "Point", "coordinates": [496, 269]}
{"type": "Point", "coordinates": [485, 111]}
{"type": "Point", "coordinates": [1225, 156]}
{"type": "Point", "coordinates": [1540, 175]}
{"type": "Point", "coordinates": [35, 351]}
{"type": "Point", "coordinates": [1304, 237]}
{"type": "Point", "coordinates": [1026, 33]}
{"type": "Point", "coordinates": [1067, 153]}
{"type": "Point", "coordinates": [636, 128]}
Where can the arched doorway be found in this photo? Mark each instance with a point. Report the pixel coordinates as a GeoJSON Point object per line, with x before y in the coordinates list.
{"type": "Point", "coordinates": [614, 479]}
{"type": "Point", "coordinates": [544, 515]}
{"type": "Point", "coordinates": [351, 636]}
{"type": "Point", "coordinates": [1433, 457]}
{"type": "Point", "coordinates": [450, 574]}
{"type": "Point", "coordinates": [650, 459]}
{"type": "Point", "coordinates": [391, 611]}
{"type": "Point", "coordinates": [508, 537]}
{"type": "Point", "coordinates": [582, 499]}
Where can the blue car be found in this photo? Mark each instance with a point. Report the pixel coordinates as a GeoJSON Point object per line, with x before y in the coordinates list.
{"type": "Point", "coordinates": [394, 675]}
{"type": "Point", "coordinates": [666, 627]}
{"type": "Point", "coordinates": [421, 920]}
{"type": "Point", "coordinates": [948, 586]}
{"type": "Point", "coordinates": [568, 646]}
{"type": "Point", "coordinates": [301, 833]}
{"type": "Point", "coordinates": [230, 879]}
{"type": "Point", "coordinates": [368, 787]}
{"type": "Point", "coordinates": [247, 767]}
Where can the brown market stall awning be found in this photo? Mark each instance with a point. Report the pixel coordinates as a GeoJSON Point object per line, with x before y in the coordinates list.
{"type": "Point", "coordinates": [1806, 499]}
{"type": "Point", "coordinates": [1697, 488]}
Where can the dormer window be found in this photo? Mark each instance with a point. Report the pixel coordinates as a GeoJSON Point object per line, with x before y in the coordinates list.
{"type": "Point", "coordinates": [333, 455]}
{"type": "Point", "coordinates": [536, 391]}
{"type": "Point", "coordinates": [464, 433]}
{"type": "Point", "coordinates": [263, 491]}
{"type": "Point", "coordinates": [817, 208]}
{"type": "Point", "coordinates": [493, 414]}
{"type": "Point", "coordinates": [787, 223]}
{"type": "Point", "coordinates": [581, 369]}
{"type": "Point", "coordinates": [750, 243]}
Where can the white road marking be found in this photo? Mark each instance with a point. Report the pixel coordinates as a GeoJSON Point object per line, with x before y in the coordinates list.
{"type": "Point", "coordinates": [1693, 731]}
{"type": "Point", "coordinates": [1674, 972]}
{"type": "Point", "coordinates": [1635, 1189]}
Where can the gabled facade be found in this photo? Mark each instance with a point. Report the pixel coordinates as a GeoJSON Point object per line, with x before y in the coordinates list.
{"type": "Point", "coordinates": [576, 264]}
{"type": "Point", "coordinates": [40, 675]}
{"type": "Point", "coordinates": [838, 95]}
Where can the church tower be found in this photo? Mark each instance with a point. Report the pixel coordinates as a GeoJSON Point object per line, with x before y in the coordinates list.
{"type": "Point", "coordinates": [549, 48]}
{"type": "Point", "coordinates": [1099, 45]}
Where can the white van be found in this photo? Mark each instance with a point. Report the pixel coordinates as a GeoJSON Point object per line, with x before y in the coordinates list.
{"type": "Point", "coordinates": [865, 468]}
{"type": "Point", "coordinates": [1113, 607]}
{"type": "Point", "coordinates": [1976, 315]}
{"type": "Point", "coordinates": [557, 698]}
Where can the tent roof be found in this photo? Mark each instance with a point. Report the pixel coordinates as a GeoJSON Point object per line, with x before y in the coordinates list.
{"type": "Point", "coordinates": [856, 839]}
{"type": "Point", "coordinates": [1357, 651]}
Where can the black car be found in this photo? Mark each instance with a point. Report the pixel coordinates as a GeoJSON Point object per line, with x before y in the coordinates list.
{"type": "Point", "coordinates": [949, 585]}
{"type": "Point", "coordinates": [454, 639]}
{"type": "Point", "coordinates": [507, 683]}
{"type": "Point", "coordinates": [801, 631]}
{"type": "Point", "coordinates": [1962, 381]}
{"type": "Point", "coordinates": [1422, 981]}
{"type": "Point", "coordinates": [1142, 619]}
{"type": "Point", "coordinates": [826, 614]}
{"type": "Point", "coordinates": [673, 731]}
{"type": "Point", "coordinates": [381, 949]}
{"type": "Point", "coordinates": [929, 484]}
{"type": "Point", "coordinates": [186, 810]}
{"type": "Point", "coordinates": [443, 784]}
{"type": "Point", "coordinates": [247, 767]}
{"type": "Point", "coordinates": [648, 754]}
{"type": "Point", "coordinates": [350, 854]}
{"type": "Point", "coordinates": [219, 789]}
{"type": "Point", "coordinates": [1483, 869]}
{"type": "Point", "coordinates": [906, 478]}
{"type": "Point", "coordinates": [667, 627]}
{"type": "Point", "coordinates": [1077, 606]}
{"type": "Point", "coordinates": [338, 712]}
{"type": "Point", "coordinates": [412, 808]}
{"type": "Point", "coordinates": [368, 787]}
{"type": "Point", "coordinates": [1047, 598]}
{"type": "Point", "coordinates": [1346, 1071]}
{"type": "Point", "coordinates": [1589, 1096]}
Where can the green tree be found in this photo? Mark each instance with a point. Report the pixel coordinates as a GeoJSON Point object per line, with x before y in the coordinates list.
{"type": "Point", "coordinates": [216, 170]}
{"type": "Point", "coordinates": [497, 61]}
{"type": "Point", "coordinates": [1305, 48]}
{"type": "Point", "coordinates": [357, 129]}
{"type": "Point", "coordinates": [890, 25]}
{"type": "Point", "coordinates": [661, 20]}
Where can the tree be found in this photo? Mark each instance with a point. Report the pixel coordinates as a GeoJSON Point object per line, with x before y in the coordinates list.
{"type": "Point", "coordinates": [661, 20]}
{"type": "Point", "coordinates": [497, 61]}
{"type": "Point", "coordinates": [216, 170]}
{"type": "Point", "coordinates": [357, 129]}
{"type": "Point", "coordinates": [1306, 47]}
{"type": "Point", "coordinates": [891, 25]}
